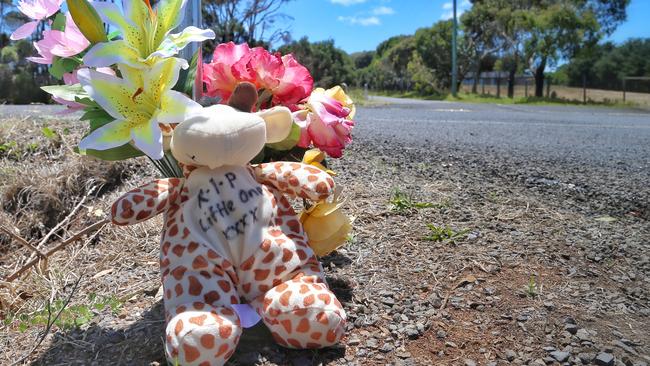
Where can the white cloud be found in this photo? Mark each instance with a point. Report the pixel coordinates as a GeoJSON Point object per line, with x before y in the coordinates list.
{"type": "Point", "coordinates": [383, 10]}
{"type": "Point", "coordinates": [364, 21]}
{"type": "Point", "coordinates": [448, 12]}
{"type": "Point", "coordinates": [347, 2]}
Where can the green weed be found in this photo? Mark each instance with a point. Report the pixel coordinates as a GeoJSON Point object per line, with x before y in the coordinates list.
{"type": "Point", "coordinates": [9, 148]}
{"type": "Point", "coordinates": [401, 202]}
{"type": "Point", "coordinates": [531, 288]}
{"type": "Point", "coordinates": [444, 233]}
{"type": "Point", "coordinates": [71, 317]}
{"type": "Point", "coordinates": [49, 133]}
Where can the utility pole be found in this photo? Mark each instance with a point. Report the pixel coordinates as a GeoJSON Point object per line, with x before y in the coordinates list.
{"type": "Point", "coordinates": [454, 65]}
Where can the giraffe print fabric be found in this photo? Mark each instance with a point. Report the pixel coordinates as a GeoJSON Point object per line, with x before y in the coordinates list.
{"type": "Point", "coordinates": [231, 236]}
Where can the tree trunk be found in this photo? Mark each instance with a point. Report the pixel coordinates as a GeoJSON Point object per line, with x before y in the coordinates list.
{"type": "Point", "coordinates": [477, 75]}
{"type": "Point", "coordinates": [511, 81]}
{"type": "Point", "coordinates": [539, 78]}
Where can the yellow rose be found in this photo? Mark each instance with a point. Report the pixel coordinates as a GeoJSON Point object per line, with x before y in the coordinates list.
{"type": "Point", "coordinates": [326, 225]}
{"type": "Point", "coordinates": [315, 158]}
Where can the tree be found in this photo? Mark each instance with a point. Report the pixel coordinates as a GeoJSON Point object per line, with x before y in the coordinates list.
{"type": "Point", "coordinates": [540, 32]}
{"type": "Point", "coordinates": [433, 44]}
{"type": "Point", "coordinates": [480, 27]}
{"type": "Point", "coordinates": [559, 29]}
{"type": "Point", "coordinates": [604, 65]}
{"type": "Point", "coordinates": [328, 64]}
{"type": "Point", "coordinates": [246, 21]}
{"type": "Point", "coordinates": [362, 59]}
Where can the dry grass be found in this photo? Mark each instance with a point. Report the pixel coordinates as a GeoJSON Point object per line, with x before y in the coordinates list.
{"type": "Point", "coordinates": [569, 94]}
{"type": "Point", "coordinates": [41, 183]}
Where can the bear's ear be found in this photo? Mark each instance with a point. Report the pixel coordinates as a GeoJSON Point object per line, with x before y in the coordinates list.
{"type": "Point", "coordinates": [278, 123]}
{"type": "Point", "coordinates": [244, 97]}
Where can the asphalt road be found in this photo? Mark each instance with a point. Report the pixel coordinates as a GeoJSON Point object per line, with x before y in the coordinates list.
{"type": "Point", "coordinates": [592, 134]}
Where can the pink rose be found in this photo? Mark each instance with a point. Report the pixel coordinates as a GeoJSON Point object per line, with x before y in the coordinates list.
{"type": "Point", "coordinates": [324, 124]}
{"type": "Point", "coordinates": [282, 76]}
{"type": "Point", "coordinates": [227, 69]}
{"type": "Point", "coordinates": [295, 84]}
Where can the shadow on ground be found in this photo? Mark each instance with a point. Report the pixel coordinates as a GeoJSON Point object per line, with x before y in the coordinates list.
{"type": "Point", "coordinates": [142, 343]}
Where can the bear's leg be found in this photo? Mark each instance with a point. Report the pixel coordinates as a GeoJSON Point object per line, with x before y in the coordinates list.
{"type": "Point", "coordinates": [202, 335]}
{"type": "Point", "coordinates": [302, 313]}
{"type": "Point", "coordinates": [202, 328]}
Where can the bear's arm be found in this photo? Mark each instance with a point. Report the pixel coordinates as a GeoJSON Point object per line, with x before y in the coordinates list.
{"type": "Point", "coordinates": [296, 179]}
{"type": "Point", "coordinates": [146, 201]}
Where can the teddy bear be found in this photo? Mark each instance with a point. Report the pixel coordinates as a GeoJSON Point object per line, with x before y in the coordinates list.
{"type": "Point", "coordinates": [231, 236]}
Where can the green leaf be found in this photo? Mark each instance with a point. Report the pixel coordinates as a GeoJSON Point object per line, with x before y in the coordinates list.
{"type": "Point", "coordinates": [97, 118]}
{"type": "Point", "coordinates": [59, 22]}
{"type": "Point", "coordinates": [123, 152]}
{"type": "Point", "coordinates": [62, 65]}
{"type": "Point", "coordinates": [87, 102]}
{"type": "Point", "coordinates": [259, 158]}
{"type": "Point", "coordinates": [289, 142]}
{"type": "Point", "coordinates": [47, 132]}
{"type": "Point", "coordinates": [186, 78]}
{"type": "Point", "coordinates": [66, 92]}
{"type": "Point", "coordinates": [113, 35]}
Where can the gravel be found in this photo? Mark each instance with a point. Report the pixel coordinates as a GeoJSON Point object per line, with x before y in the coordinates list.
{"type": "Point", "coordinates": [550, 266]}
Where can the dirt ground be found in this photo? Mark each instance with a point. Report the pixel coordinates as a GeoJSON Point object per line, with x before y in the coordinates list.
{"type": "Point", "coordinates": [456, 258]}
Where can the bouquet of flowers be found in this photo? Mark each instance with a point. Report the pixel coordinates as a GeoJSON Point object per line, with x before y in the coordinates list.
{"type": "Point", "coordinates": [133, 89]}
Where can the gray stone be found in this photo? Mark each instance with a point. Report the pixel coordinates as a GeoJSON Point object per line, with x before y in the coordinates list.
{"type": "Point", "coordinates": [586, 357]}
{"type": "Point", "coordinates": [403, 354]}
{"type": "Point", "coordinates": [625, 347]}
{"type": "Point", "coordinates": [469, 362]}
{"type": "Point", "coordinates": [560, 356]}
{"type": "Point", "coordinates": [510, 354]}
{"type": "Point", "coordinates": [549, 305]}
{"type": "Point", "coordinates": [604, 359]}
{"type": "Point", "coordinates": [583, 335]}
{"type": "Point", "coordinates": [569, 320]}
{"type": "Point", "coordinates": [441, 334]}
{"type": "Point", "coordinates": [412, 333]}
{"type": "Point", "coordinates": [372, 343]}
{"type": "Point", "coordinates": [387, 347]}
{"type": "Point", "coordinates": [354, 341]}
{"type": "Point", "coordinates": [571, 328]}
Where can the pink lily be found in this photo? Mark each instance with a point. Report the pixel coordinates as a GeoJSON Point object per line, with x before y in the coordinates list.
{"type": "Point", "coordinates": [68, 43]}
{"type": "Point", "coordinates": [37, 10]}
{"type": "Point", "coordinates": [70, 78]}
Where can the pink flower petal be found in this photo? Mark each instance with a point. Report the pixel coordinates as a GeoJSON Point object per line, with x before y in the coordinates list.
{"type": "Point", "coordinates": [24, 31]}
{"type": "Point", "coordinates": [295, 84]}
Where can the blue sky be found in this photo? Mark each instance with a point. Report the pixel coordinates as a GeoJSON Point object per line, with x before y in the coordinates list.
{"type": "Point", "coordinates": [359, 25]}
